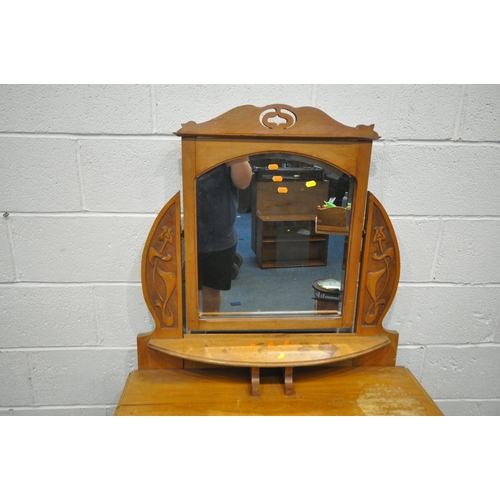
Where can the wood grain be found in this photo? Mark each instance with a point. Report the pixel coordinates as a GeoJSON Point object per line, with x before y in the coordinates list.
{"type": "Point", "coordinates": [320, 391]}
{"type": "Point", "coordinates": [269, 350]}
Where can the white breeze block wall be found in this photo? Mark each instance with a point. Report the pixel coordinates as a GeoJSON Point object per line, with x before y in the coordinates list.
{"type": "Point", "coordinates": [86, 168]}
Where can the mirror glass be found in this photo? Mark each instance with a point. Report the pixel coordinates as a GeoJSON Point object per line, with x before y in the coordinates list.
{"type": "Point", "coordinates": [278, 246]}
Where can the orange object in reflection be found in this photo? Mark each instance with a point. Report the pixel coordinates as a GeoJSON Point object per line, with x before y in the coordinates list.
{"type": "Point", "coordinates": [282, 190]}
{"type": "Point", "coordinates": [273, 166]}
{"type": "Point", "coordinates": [277, 178]}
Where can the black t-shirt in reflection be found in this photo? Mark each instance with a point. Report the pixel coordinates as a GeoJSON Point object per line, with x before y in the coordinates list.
{"type": "Point", "coordinates": [216, 210]}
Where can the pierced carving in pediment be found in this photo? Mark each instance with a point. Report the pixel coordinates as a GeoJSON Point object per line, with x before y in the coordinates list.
{"type": "Point", "coordinates": [276, 117]}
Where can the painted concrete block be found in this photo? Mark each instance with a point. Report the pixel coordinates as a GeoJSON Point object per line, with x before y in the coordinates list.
{"type": "Point", "coordinates": [47, 316]}
{"type": "Point", "coordinates": [445, 315]}
{"type": "Point", "coordinates": [425, 111]}
{"type": "Point", "coordinates": [38, 175]}
{"type": "Point", "coordinates": [411, 358]}
{"type": "Point", "coordinates": [122, 314]}
{"type": "Point", "coordinates": [469, 408]}
{"type": "Point", "coordinates": [178, 104]}
{"type": "Point", "coordinates": [469, 252]}
{"type": "Point", "coordinates": [377, 170]}
{"type": "Point", "coordinates": [481, 117]}
{"type": "Point", "coordinates": [16, 387]}
{"type": "Point", "coordinates": [79, 109]}
{"type": "Point", "coordinates": [80, 248]}
{"type": "Point", "coordinates": [130, 175]}
{"type": "Point", "coordinates": [357, 105]}
{"type": "Point", "coordinates": [7, 272]}
{"type": "Point", "coordinates": [80, 376]}
{"type": "Point", "coordinates": [438, 179]}
{"type": "Point", "coordinates": [467, 372]}
{"type": "Point", "coordinates": [417, 241]}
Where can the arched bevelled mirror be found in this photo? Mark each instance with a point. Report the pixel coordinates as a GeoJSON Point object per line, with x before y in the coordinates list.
{"type": "Point", "coordinates": [291, 231]}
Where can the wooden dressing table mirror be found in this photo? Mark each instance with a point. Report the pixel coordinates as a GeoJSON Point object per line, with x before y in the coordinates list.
{"type": "Point", "coordinates": [300, 330]}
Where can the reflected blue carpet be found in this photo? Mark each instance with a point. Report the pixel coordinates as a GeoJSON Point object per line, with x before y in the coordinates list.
{"type": "Point", "coordinates": [283, 289]}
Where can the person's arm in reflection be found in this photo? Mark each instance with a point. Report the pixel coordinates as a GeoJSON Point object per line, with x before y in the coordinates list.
{"type": "Point", "coordinates": [241, 172]}
{"type": "Point", "coordinates": [215, 266]}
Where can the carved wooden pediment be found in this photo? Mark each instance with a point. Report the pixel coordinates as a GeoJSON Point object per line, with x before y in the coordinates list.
{"type": "Point", "coordinates": [277, 120]}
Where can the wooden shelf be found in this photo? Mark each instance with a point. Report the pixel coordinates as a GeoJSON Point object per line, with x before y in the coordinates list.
{"type": "Point", "coordinates": [286, 218]}
{"type": "Point", "coordinates": [269, 350]}
{"type": "Point", "coordinates": [295, 238]}
{"type": "Point", "coordinates": [292, 263]}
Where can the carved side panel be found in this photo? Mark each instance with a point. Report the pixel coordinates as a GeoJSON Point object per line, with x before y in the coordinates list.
{"type": "Point", "coordinates": [162, 283]}
{"type": "Point", "coordinates": [380, 267]}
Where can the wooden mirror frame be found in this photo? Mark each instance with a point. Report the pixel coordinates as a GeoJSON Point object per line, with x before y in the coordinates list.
{"type": "Point", "coordinates": [241, 132]}
{"type": "Point", "coordinates": [372, 264]}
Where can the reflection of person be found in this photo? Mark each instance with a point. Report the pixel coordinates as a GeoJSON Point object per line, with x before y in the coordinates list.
{"type": "Point", "coordinates": [216, 216]}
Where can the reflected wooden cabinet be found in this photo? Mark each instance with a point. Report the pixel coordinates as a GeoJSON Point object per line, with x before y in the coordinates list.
{"type": "Point", "coordinates": [284, 220]}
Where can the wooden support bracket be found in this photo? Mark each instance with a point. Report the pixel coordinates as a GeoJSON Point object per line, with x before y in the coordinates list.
{"type": "Point", "coordinates": [289, 390]}
{"type": "Point", "coordinates": [255, 381]}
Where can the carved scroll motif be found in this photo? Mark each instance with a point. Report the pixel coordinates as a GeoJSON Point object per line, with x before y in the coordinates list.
{"type": "Point", "coordinates": [164, 281]}
{"type": "Point", "coordinates": [373, 278]}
